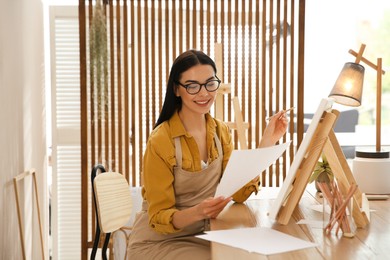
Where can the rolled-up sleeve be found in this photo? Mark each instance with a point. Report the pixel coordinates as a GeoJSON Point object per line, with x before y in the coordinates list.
{"type": "Point", "coordinates": [243, 194]}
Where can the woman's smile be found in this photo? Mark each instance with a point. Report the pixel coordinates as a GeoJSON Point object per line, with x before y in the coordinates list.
{"type": "Point", "coordinates": [202, 102]}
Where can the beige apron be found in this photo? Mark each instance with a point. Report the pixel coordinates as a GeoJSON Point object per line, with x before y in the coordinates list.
{"type": "Point", "coordinates": [190, 189]}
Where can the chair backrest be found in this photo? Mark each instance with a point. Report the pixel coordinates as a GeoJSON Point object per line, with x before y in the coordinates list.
{"type": "Point", "coordinates": [113, 200]}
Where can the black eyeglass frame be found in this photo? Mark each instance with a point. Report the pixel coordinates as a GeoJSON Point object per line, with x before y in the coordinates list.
{"type": "Point", "coordinates": [201, 85]}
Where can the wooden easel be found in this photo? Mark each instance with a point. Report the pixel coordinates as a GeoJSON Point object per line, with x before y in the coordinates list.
{"type": "Point", "coordinates": [239, 125]}
{"type": "Point", "coordinates": [324, 141]}
{"type": "Point", "coordinates": [18, 178]}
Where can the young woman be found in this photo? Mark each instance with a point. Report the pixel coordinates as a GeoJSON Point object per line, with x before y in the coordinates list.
{"type": "Point", "coordinates": [184, 160]}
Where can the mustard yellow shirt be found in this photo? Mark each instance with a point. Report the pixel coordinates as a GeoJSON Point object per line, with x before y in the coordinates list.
{"type": "Point", "coordinates": [159, 162]}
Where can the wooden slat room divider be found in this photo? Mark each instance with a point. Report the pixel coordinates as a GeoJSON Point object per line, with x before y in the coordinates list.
{"type": "Point", "coordinates": [263, 48]}
{"type": "Point", "coordinates": [105, 137]}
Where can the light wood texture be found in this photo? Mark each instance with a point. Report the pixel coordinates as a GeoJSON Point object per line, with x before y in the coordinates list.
{"type": "Point", "coordinates": [239, 125]}
{"type": "Point", "coordinates": [113, 199]}
{"type": "Point", "coordinates": [306, 168]}
{"type": "Point", "coordinates": [370, 242]}
{"type": "Point", "coordinates": [22, 177]}
{"type": "Point", "coordinates": [224, 88]}
{"type": "Point", "coordinates": [378, 107]}
{"type": "Point", "coordinates": [324, 141]}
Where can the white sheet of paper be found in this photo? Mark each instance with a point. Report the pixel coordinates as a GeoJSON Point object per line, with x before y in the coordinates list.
{"type": "Point", "coordinates": [245, 165]}
{"type": "Point", "coordinates": [260, 240]}
{"type": "Point", "coordinates": [319, 224]}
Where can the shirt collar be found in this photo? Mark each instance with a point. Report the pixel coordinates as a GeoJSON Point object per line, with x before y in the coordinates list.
{"type": "Point", "coordinates": [177, 127]}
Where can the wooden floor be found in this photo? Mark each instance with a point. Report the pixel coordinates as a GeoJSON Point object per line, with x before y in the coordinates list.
{"type": "Point", "coordinates": [371, 242]}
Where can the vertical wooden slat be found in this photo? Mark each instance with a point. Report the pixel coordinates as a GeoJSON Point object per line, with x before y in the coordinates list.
{"type": "Point", "coordinates": [243, 42]}
{"type": "Point", "coordinates": [222, 23]}
{"type": "Point", "coordinates": [188, 23]}
{"type": "Point", "coordinates": [285, 73]}
{"type": "Point", "coordinates": [235, 71]}
{"type": "Point", "coordinates": [257, 82]}
{"type": "Point", "coordinates": [145, 80]}
{"type": "Point", "coordinates": [277, 82]}
{"type": "Point", "coordinates": [194, 22]}
{"type": "Point", "coordinates": [92, 126]}
{"type": "Point", "coordinates": [181, 27]}
{"type": "Point", "coordinates": [201, 27]}
{"type": "Point", "coordinates": [106, 100]}
{"type": "Point", "coordinates": [243, 62]}
{"type": "Point", "coordinates": [92, 94]}
{"type": "Point", "coordinates": [141, 131]}
{"type": "Point", "coordinates": [98, 116]}
{"type": "Point", "coordinates": [83, 128]}
{"type": "Point", "coordinates": [160, 59]}
{"type": "Point", "coordinates": [291, 58]}
{"type": "Point", "coordinates": [112, 89]}
{"type": "Point", "coordinates": [208, 22]}
{"type": "Point", "coordinates": [271, 94]}
{"type": "Point", "coordinates": [134, 149]}
{"type": "Point", "coordinates": [219, 50]}
{"type": "Point", "coordinates": [250, 76]}
{"type": "Point", "coordinates": [119, 85]}
{"type": "Point", "coordinates": [215, 23]}
{"type": "Point", "coordinates": [230, 60]}
{"type": "Point", "coordinates": [263, 78]}
{"type": "Point", "coordinates": [126, 95]}
{"type": "Point", "coordinates": [154, 66]}
{"type": "Point", "coordinates": [168, 48]}
{"type": "Point", "coordinates": [174, 35]}
{"type": "Point", "coordinates": [281, 86]}
{"type": "Point", "coordinates": [301, 71]}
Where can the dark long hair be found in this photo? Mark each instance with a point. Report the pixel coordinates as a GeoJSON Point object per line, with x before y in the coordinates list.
{"type": "Point", "coordinates": [183, 62]}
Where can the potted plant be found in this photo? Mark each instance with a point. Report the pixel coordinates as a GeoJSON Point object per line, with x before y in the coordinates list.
{"type": "Point", "coordinates": [322, 173]}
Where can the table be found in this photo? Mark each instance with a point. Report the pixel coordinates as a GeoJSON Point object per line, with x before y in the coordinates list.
{"type": "Point", "coordinates": [371, 242]}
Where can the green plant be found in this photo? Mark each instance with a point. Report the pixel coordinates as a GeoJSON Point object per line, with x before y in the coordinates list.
{"type": "Point", "coordinates": [99, 58]}
{"type": "Point", "coordinates": [322, 172]}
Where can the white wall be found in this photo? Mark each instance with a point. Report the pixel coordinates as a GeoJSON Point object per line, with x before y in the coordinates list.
{"type": "Point", "coordinates": [332, 28]}
{"type": "Point", "coordinates": [22, 117]}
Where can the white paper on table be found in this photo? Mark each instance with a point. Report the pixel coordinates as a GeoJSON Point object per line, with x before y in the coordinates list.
{"type": "Point", "coordinates": [260, 240]}
{"type": "Point", "coordinates": [312, 223]}
{"type": "Point", "coordinates": [245, 165]}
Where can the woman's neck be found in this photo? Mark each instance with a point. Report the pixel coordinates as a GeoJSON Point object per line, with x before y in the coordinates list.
{"type": "Point", "coordinates": [193, 122]}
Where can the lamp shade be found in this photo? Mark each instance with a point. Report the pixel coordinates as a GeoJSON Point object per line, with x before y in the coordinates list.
{"type": "Point", "coordinates": [349, 85]}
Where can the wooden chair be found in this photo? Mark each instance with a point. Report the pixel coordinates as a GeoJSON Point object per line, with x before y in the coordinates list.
{"type": "Point", "coordinates": [113, 204]}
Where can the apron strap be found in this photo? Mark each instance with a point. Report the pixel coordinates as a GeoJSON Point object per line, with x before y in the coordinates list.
{"type": "Point", "coordinates": [219, 145]}
{"type": "Point", "coordinates": [178, 152]}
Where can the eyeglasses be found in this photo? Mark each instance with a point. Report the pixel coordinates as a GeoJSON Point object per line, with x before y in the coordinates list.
{"type": "Point", "coordinates": [194, 88]}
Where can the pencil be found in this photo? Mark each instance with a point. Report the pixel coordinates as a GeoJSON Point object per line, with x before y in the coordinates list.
{"type": "Point", "coordinates": [291, 108]}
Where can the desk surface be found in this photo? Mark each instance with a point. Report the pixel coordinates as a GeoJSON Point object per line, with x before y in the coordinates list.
{"type": "Point", "coordinates": [371, 242]}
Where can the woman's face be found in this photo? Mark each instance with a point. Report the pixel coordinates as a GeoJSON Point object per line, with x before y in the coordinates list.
{"type": "Point", "coordinates": [201, 102]}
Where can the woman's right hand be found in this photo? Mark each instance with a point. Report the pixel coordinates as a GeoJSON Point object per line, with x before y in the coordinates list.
{"type": "Point", "coordinates": [211, 207]}
{"type": "Point", "coordinates": [208, 208]}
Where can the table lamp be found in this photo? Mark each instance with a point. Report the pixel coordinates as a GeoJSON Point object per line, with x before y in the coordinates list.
{"type": "Point", "coordinates": [370, 168]}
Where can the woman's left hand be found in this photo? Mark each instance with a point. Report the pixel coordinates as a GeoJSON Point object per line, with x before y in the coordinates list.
{"type": "Point", "coordinates": [275, 129]}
